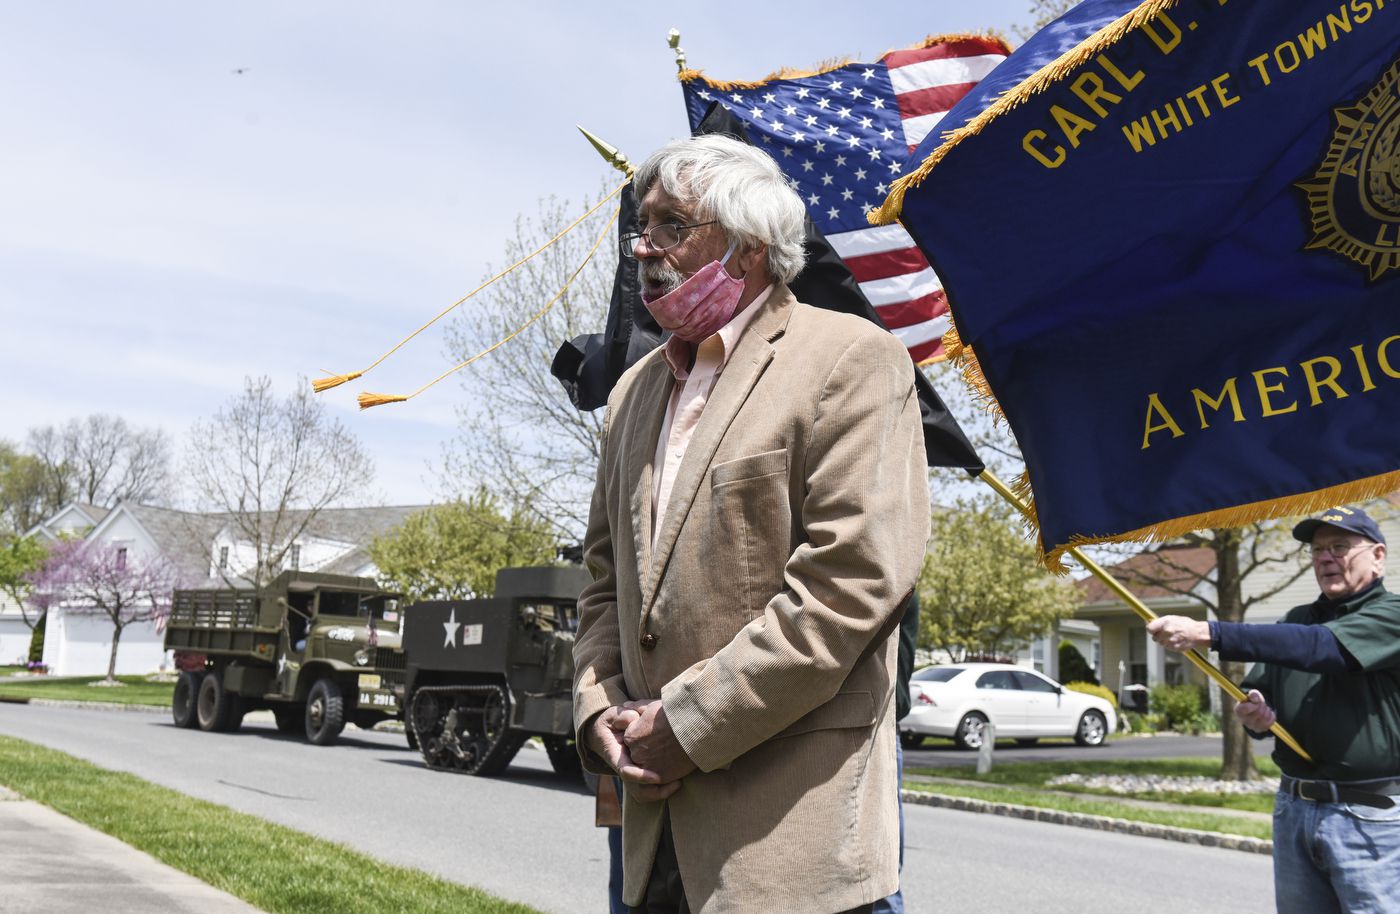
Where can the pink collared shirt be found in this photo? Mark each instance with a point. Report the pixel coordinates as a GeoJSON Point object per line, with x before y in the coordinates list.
{"type": "Point", "coordinates": [692, 389]}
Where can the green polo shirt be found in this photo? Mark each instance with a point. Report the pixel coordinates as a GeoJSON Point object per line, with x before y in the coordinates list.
{"type": "Point", "coordinates": [1348, 722]}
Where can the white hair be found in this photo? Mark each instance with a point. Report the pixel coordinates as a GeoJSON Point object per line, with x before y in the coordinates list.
{"type": "Point", "coordinates": [738, 185]}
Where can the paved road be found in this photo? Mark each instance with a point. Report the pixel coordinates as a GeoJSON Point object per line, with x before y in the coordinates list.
{"type": "Point", "coordinates": [528, 835]}
{"type": "Point", "coordinates": [941, 753]}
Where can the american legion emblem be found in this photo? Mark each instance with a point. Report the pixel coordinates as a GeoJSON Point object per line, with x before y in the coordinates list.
{"type": "Point", "coordinates": [1353, 198]}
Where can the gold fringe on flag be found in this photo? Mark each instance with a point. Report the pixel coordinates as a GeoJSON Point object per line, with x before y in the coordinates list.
{"type": "Point", "coordinates": [367, 400]}
{"type": "Point", "coordinates": [335, 380]}
{"type": "Point", "coordinates": [689, 75]}
{"type": "Point", "coordinates": [1036, 83]}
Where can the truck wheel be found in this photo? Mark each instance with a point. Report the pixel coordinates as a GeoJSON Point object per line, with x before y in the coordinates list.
{"type": "Point", "coordinates": [563, 756]}
{"type": "Point", "coordinates": [213, 704]}
{"type": "Point", "coordinates": [325, 712]}
{"type": "Point", "coordinates": [185, 699]}
{"type": "Point", "coordinates": [290, 718]}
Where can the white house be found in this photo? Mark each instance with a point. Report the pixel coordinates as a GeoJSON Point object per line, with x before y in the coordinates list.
{"type": "Point", "coordinates": [73, 520]}
{"type": "Point", "coordinates": [206, 550]}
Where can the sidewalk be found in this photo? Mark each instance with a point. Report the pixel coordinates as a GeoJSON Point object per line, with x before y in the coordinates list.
{"type": "Point", "coordinates": [58, 866]}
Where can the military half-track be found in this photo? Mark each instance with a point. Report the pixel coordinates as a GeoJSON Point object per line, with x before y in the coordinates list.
{"type": "Point", "coordinates": [319, 650]}
{"type": "Point", "coordinates": [483, 676]}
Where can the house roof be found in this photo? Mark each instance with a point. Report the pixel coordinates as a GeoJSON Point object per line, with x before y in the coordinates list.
{"type": "Point", "coordinates": [1158, 564]}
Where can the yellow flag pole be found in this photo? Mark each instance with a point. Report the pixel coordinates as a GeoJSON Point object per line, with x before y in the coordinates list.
{"type": "Point", "coordinates": [1201, 663]}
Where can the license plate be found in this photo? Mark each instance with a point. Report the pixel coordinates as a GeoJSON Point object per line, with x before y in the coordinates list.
{"type": "Point", "coordinates": [369, 680]}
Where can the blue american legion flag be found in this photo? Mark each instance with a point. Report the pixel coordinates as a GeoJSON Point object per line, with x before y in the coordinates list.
{"type": "Point", "coordinates": [844, 134]}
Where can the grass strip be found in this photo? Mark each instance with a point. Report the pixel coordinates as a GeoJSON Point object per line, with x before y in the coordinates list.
{"type": "Point", "coordinates": [1038, 774]}
{"type": "Point", "coordinates": [275, 868]}
{"type": "Point", "coordinates": [134, 690]}
{"type": "Point", "coordinates": [1200, 821]}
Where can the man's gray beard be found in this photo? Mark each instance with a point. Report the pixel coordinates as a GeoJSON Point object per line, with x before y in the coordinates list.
{"type": "Point", "coordinates": [660, 273]}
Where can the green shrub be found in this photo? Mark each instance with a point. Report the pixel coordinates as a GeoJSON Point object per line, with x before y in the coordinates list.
{"type": "Point", "coordinates": [1093, 688]}
{"type": "Point", "coordinates": [1179, 704]}
{"type": "Point", "coordinates": [1073, 666]}
{"type": "Point", "coordinates": [1205, 722]}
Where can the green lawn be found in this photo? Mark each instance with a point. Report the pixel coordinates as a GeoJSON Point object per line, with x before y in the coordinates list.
{"type": "Point", "coordinates": [1036, 774]}
{"type": "Point", "coordinates": [11, 670]}
{"type": "Point", "coordinates": [134, 690]}
{"type": "Point", "coordinates": [275, 868]}
{"type": "Point", "coordinates": [1200, 821]}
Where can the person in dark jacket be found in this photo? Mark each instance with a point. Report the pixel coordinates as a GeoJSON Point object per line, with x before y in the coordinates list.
{"type": "Point", "coordinates": [1330, 674]}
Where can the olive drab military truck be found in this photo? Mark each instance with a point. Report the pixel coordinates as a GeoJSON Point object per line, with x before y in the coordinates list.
{"type": "Point", "coordinates": [485, 675]}
{"type": "Point", "coordinates": [319, 650]}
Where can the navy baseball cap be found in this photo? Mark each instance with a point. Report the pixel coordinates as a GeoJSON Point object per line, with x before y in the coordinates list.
{"type": "Point", "coordinates": [1352, 520]}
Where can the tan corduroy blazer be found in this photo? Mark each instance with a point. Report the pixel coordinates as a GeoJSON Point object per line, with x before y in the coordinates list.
{"type": "Point", "coordinates": [795, 530]}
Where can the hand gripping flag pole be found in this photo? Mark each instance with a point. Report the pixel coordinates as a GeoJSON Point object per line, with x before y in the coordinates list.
{"type": "Point", "coordinates": [1137, 606]}
{"type": "Point", "coordinates": [335, 380]}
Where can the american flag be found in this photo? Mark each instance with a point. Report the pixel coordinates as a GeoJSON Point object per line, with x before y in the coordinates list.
{"type": "Point", "coordinates": [843, 135]}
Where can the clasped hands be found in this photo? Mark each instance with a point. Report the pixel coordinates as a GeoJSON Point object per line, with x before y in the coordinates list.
{"type": "Point", "coordinates": [636, 739]}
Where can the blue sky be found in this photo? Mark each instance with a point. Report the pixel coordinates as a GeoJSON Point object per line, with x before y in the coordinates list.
{"type": "Point", "coordinates": [169, 225]}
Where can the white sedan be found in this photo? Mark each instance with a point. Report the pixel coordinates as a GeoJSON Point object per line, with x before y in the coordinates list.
{"type": "Point", "coordinates": [959, 700]}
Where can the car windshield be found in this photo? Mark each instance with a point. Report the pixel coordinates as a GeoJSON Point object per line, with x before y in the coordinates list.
{"type": "Point", "coordinates": [936, 674]}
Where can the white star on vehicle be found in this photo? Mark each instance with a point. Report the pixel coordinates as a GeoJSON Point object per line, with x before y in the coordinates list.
{"type": "Point", "coordinates": [451, 625]}
{"type": "Point", "coordinates": [281, 664]}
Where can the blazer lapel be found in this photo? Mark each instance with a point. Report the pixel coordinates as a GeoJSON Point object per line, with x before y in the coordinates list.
{"type": "Point", "coordinates": [751, 357]}
{"type": "Point", "coordinates": [640, 454]}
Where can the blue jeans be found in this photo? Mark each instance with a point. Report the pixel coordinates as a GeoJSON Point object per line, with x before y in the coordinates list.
{"type": "Point", "coordinates": [894, 904]}
{"type": "Point", "coordinates": [1335, 858]}
{"type": "Point", "coordinates": [615, 904]}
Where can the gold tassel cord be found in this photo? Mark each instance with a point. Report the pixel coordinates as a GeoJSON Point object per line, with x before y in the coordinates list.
{"type": "Point", "coordinates": [366, 400]}
{"type": "Point", "coordinates": [335, 380]}
{"type": "Point", "coordinates": [1147, 615]}
{"type": "Point", "coordinates": [1036, 83]}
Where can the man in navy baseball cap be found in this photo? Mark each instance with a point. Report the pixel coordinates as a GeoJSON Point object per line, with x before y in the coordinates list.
{"type": "Point", "coordinates": [1330, 674]}
{"type": "Point", "coordinates": [1352, 520]}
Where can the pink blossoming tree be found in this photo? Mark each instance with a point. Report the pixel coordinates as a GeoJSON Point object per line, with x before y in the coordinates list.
{"type": "Point", "coordinates": [103, 580]}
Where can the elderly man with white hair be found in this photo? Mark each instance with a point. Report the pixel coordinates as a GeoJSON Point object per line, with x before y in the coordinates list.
{"type": "Point", "coordinates": [759, 518]}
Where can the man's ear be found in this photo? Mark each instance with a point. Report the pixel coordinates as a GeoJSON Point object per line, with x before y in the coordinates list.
{"type": "Point", "coordinates": [752, 258]}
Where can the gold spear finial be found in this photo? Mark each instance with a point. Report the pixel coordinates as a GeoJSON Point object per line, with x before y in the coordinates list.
{"type": "Point", "coordinates": [673, 40]}
{"type": "Point", "coordinates": [615, 157]}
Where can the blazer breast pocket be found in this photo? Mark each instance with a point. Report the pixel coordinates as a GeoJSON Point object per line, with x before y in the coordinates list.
{"type": "Point", "coordinates": [751, 523]}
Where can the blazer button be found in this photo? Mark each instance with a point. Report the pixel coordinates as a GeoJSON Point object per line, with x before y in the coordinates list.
{"type": "Point", "coordinates": [649, 641]}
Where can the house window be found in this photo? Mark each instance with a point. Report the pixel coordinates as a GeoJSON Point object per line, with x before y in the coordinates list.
{"type": "Point", "coordinates": [294, 557]}
{"type": "Point", "coordinates": [121, 558]}
{"type": "Point", "coordinates": [223, 558]}
{"type": "Point", "coordinates": [1137, 656]}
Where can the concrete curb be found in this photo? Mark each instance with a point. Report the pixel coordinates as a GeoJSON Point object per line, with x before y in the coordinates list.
{"type": "Point", "coordinates": [98, 705]}
{"type": "Point", "coordinates": [1097, 823]}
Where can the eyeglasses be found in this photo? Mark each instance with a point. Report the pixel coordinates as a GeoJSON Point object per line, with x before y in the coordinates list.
{"type": "Point", "coordinates": [1338, 551]}
{"type": "Point", "coordinates": [658, 237]}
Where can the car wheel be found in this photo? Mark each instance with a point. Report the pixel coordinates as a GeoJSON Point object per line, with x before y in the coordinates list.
{"type": "Point", "coordinates": [1092, 730]}
{"type": "Point", "coordinates": [1028, 741]}
{"type": "Point", "coordinates": [212, 705]}
{"type": "Point", "coordinates": [184, 701]}
{"type": "Point", "coordinates": [910, 740]}
{"type": "Point", "coordinates": [325, 712]}
{"type": "Point", "coordinates": [970, 731]}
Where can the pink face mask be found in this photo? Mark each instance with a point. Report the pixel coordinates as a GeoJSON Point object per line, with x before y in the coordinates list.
{"type": "Point", "coordinates": [702, 304]}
